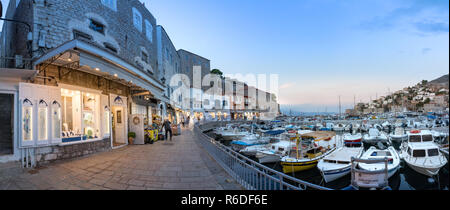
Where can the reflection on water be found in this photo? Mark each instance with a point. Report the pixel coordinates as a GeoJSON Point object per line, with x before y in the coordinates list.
{"type": "Point", "coordinates": [405, 178]}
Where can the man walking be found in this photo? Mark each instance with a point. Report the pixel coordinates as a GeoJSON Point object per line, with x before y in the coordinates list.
{"type": "Point", "coordinates": [168, 129]}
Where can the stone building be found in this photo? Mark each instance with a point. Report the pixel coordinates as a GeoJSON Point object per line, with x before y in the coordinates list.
{"type": "Point", "coordinates": [95, 76]}
{"type": "Point", "coordinates": [169, 65]}
{"type": "Point", "coordinates": [189, 60]}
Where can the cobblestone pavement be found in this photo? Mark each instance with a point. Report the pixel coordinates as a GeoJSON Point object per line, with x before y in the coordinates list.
{"type": "Point", "coordinates": [181, 165]}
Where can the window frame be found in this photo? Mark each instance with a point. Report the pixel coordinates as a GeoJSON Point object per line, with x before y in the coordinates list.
{"type": "Point", "coordinates": [135, 12]}
{"type": "Point", "coordinates": [148, 30]}
{"type": "Point", "coordinates": [112, 4]}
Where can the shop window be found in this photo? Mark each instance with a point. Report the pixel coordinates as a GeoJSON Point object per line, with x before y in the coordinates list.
{"type": "Point", "coordinates": [80, 115]}
{"type": "Point", "coordinates": [106, 122]}
{"type": "Point", "coordinates": [42, 120]}
{"type": "Point", "coordinates": [90, 113]}
{"type": "Point", "coordinates": [27, 120]}
{"type": "Point", "coordinates": [56, 120]}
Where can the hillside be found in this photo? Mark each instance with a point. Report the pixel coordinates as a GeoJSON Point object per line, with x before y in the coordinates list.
{"type": "Point", "coordinates": [441, 80]}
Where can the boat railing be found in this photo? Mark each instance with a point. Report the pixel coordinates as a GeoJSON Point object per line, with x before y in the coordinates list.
{"type": "Point", "coordinates": [250, 174]}
{"type": "Point", "coordinates": [365, 178]}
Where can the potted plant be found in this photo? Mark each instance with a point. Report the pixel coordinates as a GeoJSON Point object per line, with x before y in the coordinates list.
{"type": "Point", "coordinates": [131, 137]}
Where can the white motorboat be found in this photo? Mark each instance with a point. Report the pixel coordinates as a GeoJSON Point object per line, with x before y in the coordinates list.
{"type": "Point", "coordinates": [339, 127]}
{"type": "Point", "coordinates": [373, 153]}
{"type": "Point", "coordinates": [399, 135]}
{"type": "Point", "coordinates": [275, 152]}
{"type": "Point", "coordinates": [422, 154]}
{"type": "Point", "coordinates": [249, 140]}
{"type": "Point", "coordinates": [338, 163]}
{"type": "Point", "coordinates": [232, 134]}
{"type": "Point", "coordinates": [374, 136]}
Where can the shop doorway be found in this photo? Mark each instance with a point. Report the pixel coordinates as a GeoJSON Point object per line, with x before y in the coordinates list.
{"type": "Point", "coordinates": [118, 126]}
{"type": "Point", "coordinates": [6, 123]}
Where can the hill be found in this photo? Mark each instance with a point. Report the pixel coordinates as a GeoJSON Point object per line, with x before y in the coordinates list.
{"type": "Point", "coordinates": [441, 80]}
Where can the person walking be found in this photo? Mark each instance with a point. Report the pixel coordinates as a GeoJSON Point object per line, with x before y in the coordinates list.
{"type": "Point", "coordinates": [167, 127]}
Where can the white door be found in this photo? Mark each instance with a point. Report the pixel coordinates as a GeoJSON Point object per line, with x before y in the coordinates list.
{"type": "Point", "coordinates": [119, 125]}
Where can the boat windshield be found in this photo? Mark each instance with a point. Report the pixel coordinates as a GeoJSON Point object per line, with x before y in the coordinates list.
{"type": "Point", "coordinates": [415, 138]}
{"type": "Point", "coordinates": [433, 152]}
{"type": "Point", "coordinates": [427, 138]}
{"type": "Point", "coordinates": [419, 153]}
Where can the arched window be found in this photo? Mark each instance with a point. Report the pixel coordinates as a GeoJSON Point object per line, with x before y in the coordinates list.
{"type": "Point", "coordinates": [42, 120]}
{"type": "Point", "coordinates": [56, 120]}
{"type": "Point", "coordinates": [27, 120]}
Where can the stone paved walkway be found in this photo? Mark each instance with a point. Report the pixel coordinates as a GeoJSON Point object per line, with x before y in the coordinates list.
{"type": "Point", "coordinates": [183, 165]}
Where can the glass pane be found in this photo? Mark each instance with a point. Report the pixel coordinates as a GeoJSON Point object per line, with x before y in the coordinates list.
{"type": "Point", "coordinates": [106, 122]}
{"type": "Point", "coordinates": [427, 138]}
{"type": "Point", "coordinates": [90, 115]}
{"type": "Point", "coordinates": [433, 152]}
{"type": "Point", "coordinates": [56, 123]}
{"type": "Point", "coordinates": [42, 124]}
{"type": "Point", "coordinates": [419, 153]}
{"type": "Point", "coordinates": [27, 123]}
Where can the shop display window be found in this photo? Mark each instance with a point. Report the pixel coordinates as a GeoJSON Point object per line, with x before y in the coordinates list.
{"type": "Point", "coordinates": [27, 120]}
{"type": "Point", "coordinates": [106, 122]}
{"type": "Point", "coordinates": [42, 120]}
{"type": "Point", "coordinates": [80, 115]}
{"type": "Point", "coordinates": [56, 120]}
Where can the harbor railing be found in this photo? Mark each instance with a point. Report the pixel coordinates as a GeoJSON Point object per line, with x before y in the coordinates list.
{"type": "Point", "coordinates": [247, 172]}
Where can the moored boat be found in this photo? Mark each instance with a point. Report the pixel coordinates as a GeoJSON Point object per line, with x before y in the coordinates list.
{"type": "Point", "coordinates": [422, 154]}
{"type": "Point", "coordinates": [373, 154]}
{"type": "Point", "coordinates": [310, 148]}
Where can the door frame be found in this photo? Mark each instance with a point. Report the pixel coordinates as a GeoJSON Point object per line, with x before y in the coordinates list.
{"type": "Point", "coordinates": [15, 154]}
{"type": "Point", "coordinates": [124, 106]}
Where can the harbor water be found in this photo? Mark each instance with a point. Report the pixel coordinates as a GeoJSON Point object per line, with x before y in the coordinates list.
{"type": "Point", "coordinates": [405, 178]}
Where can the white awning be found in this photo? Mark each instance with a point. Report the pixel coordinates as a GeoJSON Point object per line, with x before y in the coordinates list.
{"type": "Point", "coordinates": [108, 64]}
{"type": "Point", "coordinates": [94, 65]}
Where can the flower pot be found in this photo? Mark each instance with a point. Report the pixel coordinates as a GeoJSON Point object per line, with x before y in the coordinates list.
{"type": "Point", "coordinates": [130, 140]}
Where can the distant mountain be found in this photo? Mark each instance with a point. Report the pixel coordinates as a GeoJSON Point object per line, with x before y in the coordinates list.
{"type": "Point", "coordinates": [441, 80]}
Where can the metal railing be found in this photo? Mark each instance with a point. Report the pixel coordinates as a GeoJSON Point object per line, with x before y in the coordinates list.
{"type": "Point", "coordinates": [250, 174]}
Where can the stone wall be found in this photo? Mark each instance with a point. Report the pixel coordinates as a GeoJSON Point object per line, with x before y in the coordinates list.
{"type": "Point", "coordinates": [54, 22]}
{"type": "Point", "coordinates": [46, 155]}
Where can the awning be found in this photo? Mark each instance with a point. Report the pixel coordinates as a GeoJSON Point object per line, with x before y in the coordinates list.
{"type": "Point", "coordinates": [93, 65]}
{"type": "Point", "coordinates": [97, 61]}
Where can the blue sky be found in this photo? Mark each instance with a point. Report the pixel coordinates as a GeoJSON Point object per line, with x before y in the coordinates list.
{"type": "Point", "coordinates": [320, 48]}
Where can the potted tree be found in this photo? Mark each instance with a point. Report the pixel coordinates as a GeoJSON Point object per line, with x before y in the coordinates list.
{"type": "Point", "coordinates": [131, 137]}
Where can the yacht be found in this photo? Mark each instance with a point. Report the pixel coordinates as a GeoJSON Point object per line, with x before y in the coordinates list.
{"type": "Point", "coordinates": [422, 154]}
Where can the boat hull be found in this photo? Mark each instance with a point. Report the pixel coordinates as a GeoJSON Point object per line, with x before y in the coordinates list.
{"type": "Point", "coordinates": [332, 175]}
{"type": "Point", "coordinates": [289, 167]}
{"type": "Point", "coordinates": [267, 158]}
{"type": "Point", "coordinates": [425, 171]}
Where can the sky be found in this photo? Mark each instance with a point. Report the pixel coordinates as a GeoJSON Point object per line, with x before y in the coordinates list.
{"type": "Point", "coordinates": [321, 49]}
